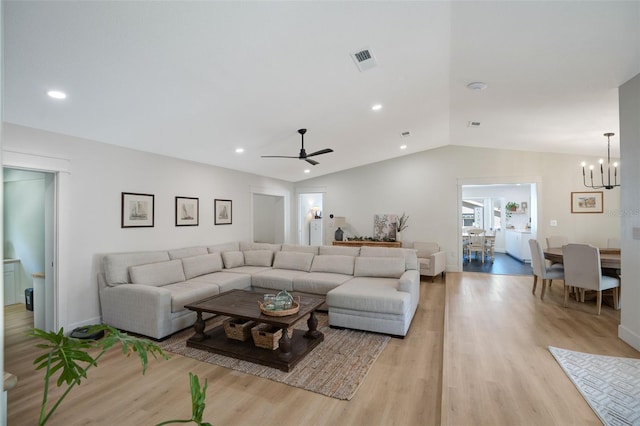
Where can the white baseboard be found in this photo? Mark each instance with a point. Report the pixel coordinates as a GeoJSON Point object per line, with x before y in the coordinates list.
{"type": "Point", "coordinates": [629, 336]}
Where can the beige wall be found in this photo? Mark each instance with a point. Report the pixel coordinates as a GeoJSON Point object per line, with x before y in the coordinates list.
{"type": "Point", "coordinates": [425, 186]}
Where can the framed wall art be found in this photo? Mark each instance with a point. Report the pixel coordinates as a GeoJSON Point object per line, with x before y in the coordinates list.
{"type": "Point", "coordinates": [586, 202]}
{"type": "Point", "coordinates": [137, 210]}
{"type": "Point", "coordinates": [223, 212]}
{"type": "Point", "coordinates": [187, 212]}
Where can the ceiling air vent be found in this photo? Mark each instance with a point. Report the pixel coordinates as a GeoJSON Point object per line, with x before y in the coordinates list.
{"type": "Point", "coordinates": [364, 59]}
{"type": "Point", "coordinates": [473, 124]}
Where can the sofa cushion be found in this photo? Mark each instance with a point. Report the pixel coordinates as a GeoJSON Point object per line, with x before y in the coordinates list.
{"type": "Point", "coordinates": [219, 248]}
{"type": "Point", "coordinates": [258, 257]}
{"type": "Point", "coordinates": [424, 262]}
{"type": "Point", "coordinates": [184, 293]}
{"type": "Point", "coordinates": [116, 266]}
{"type": "Point", "coordinates": [425, 249]}
{"type": "Point", "coordinates": [318, 282]}
{"type": "Point", "coordinates": [408, 254]}
{"type": "Point", "coordinates": [293, 260]}
{"type": "Point", "coordinates": [187, 252]}
{"type": "Point", "coordinates": [275, 279]}
{"type": "Point", "coordinates": [225, 280]}
{"type": "Point", "coordinates": [201, 265]}
{"type": "Point", "coordinates": [378, 295]}
{"type": "Point", "coordinates": [299, 248]}
{"type": "Point", "coordinates": [244, 246]}
{"type": "Point", "coordinates": [157, 274]}
{"type": "Point", "coordinates": [334, 263]}
{"type": "Point", "coordinates": [382, 267]}
{"type": "Point", "coordinates": [347, 251]}
{"type": "Point", "coordinates": [232, 259]}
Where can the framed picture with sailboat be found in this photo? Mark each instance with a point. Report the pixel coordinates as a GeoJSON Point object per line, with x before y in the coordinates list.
{"type": "Point", "coordinates": [187, 212]}
{"type": "Point", "coordinates": [137, 210]}
{"type": "Point", "coordinates": [222, 211]}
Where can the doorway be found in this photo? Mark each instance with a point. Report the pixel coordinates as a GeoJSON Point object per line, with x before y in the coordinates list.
{"type": "Point", "coordinates": [310, 229]}
{"type": "Point", "coordinates": [483, 204]}
{"type": "Point", "coordinates": [268, 219]}
{"type": "Point", "coordinates": [28, 241]}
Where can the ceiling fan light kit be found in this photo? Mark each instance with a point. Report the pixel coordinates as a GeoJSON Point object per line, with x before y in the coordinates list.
{"type": "Point", "coordinates": [303, 153]}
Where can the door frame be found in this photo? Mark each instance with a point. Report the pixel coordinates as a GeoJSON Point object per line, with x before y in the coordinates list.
{"type": "Point", "coordinates": [55, 271]}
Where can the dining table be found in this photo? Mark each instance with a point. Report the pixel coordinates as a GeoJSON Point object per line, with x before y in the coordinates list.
{"type": "Point", "coordinates": [609, 258]}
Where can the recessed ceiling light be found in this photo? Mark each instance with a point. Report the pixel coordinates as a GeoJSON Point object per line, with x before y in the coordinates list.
{"type": "Point", "coordinates": [56, 94]}
{"type": "Point", "coordinates": [239, 150]}
{"type": "Point", "coordinates": [403, 147]}
{"type": "Point", "coordinates": [376, 107]}
{"type": "Point", "coordinates": [307, 170]}
{"type": "Point", "coordinates": [477, 85]}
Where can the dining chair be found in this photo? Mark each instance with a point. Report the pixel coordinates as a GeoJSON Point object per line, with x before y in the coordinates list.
{"type": "Point", "coordinates": [540, 269]}
{"type": "Point", "coordinates": [476, 242]}
{"type": "Point", "coordinates": [582, 270]}
{"type": "Point", "coordinates": [557, 241]}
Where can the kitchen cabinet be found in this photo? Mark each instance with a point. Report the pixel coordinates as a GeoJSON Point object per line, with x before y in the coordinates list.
{"type": "Point", "coordinates": [517, 244]}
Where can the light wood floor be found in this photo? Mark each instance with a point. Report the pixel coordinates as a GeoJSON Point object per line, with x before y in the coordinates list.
{"type": "Point", "coordinates": [496, 370]}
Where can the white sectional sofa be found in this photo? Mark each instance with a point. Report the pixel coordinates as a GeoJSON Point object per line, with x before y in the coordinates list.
{"type": "Point", "coordinates": [368, 288]}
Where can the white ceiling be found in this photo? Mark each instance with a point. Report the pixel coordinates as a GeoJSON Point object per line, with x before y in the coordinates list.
{"type": "Point", "coordinates": [196, 80]}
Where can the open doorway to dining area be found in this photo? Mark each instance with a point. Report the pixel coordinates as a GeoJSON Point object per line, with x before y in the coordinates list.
{"type": "Point", "coordinates": [497, 220]}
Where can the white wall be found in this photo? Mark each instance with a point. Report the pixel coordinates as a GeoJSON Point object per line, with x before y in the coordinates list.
{"type": "Point", "coordinates": [89, 209]}
{"type": "Point", "coordinates": [629, 329]}
{"type": "Point", "coordinates": [425, 186]}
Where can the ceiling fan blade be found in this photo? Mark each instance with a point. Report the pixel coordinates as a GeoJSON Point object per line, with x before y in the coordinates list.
{"type": "Point", "coordinates": [322, 151]}
{"type": "Point", "coordinates": [312, 162]}
{"type": "Point", "coordinates": [277, 156]}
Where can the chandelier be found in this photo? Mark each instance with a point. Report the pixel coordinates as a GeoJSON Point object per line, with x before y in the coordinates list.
{"type": "Point", "coordinates": [604, 185]}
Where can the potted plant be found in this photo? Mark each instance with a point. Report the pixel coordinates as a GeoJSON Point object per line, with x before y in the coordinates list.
{"type": "Point", "coordinates": [72, 358]}
{"type": "Point", "coordinates": [511, 206]}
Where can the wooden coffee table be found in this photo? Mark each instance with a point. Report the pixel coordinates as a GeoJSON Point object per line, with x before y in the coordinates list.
{"type": "Point", "coordinates": [243, 304]}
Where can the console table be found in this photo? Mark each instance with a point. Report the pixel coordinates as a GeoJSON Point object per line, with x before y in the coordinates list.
{"type": "Point", "coordinates": [368, 243]}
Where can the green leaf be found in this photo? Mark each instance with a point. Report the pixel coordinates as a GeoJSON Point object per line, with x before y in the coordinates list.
{"type": "Point", "coordinates": [65, 354]}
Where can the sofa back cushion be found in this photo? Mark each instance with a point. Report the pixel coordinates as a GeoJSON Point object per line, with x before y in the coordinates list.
{"type": "Point", "coordinates": [343, 250]}
{"type": "Point", "coordinates": [258, 257]}
{"type": "Point", "coordinates": [201, 265]}
{"type": "Point", "coordinates": [334, 263]}
{"type": "Point", "coordinates": [293, 260]}
{"type": "Point", "coordinates": [299, 248]}
{"type": "Point", "coordinates": [187, 252]}
{"type": "Point", "coordinates": [379, 267]}
{"type": "Point", "coordinates": [232, 259]}
{"type": "Point", "coordinates": [409, 255]}
{"type": "Point", "coordinates": [116, 266]}
{"type": "Point", "coordinates": [244, 246]}
{"type": "Point", "coordinates": [424, 250]}
{"type": "Point", "coordinates": [157, 274]}
{"type": "Point", "coordinates": [219, 248]}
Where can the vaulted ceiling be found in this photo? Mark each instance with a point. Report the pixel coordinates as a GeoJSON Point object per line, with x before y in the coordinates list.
{"type": "Point", "coordinates": [196, 80]}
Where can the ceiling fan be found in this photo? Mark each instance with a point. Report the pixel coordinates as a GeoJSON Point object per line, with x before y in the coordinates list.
{"type": "Point", "coordinates": [303, 154]}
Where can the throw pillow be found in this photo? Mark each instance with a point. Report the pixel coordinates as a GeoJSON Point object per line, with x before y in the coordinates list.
{"type": "Point", "coordinates": [200, 265]}
{"type": "Point", "coordinates": [258, 257]}
{"type": "Point", "coordinates": [232, 259]}
{"type": "Point", "coordinates": [157, 274]}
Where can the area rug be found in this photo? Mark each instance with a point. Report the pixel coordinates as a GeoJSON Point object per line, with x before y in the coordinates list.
{"type": "Point", "coordinates": [610, 385]}
{"type": "Point", "coordinates": [336, 368]}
